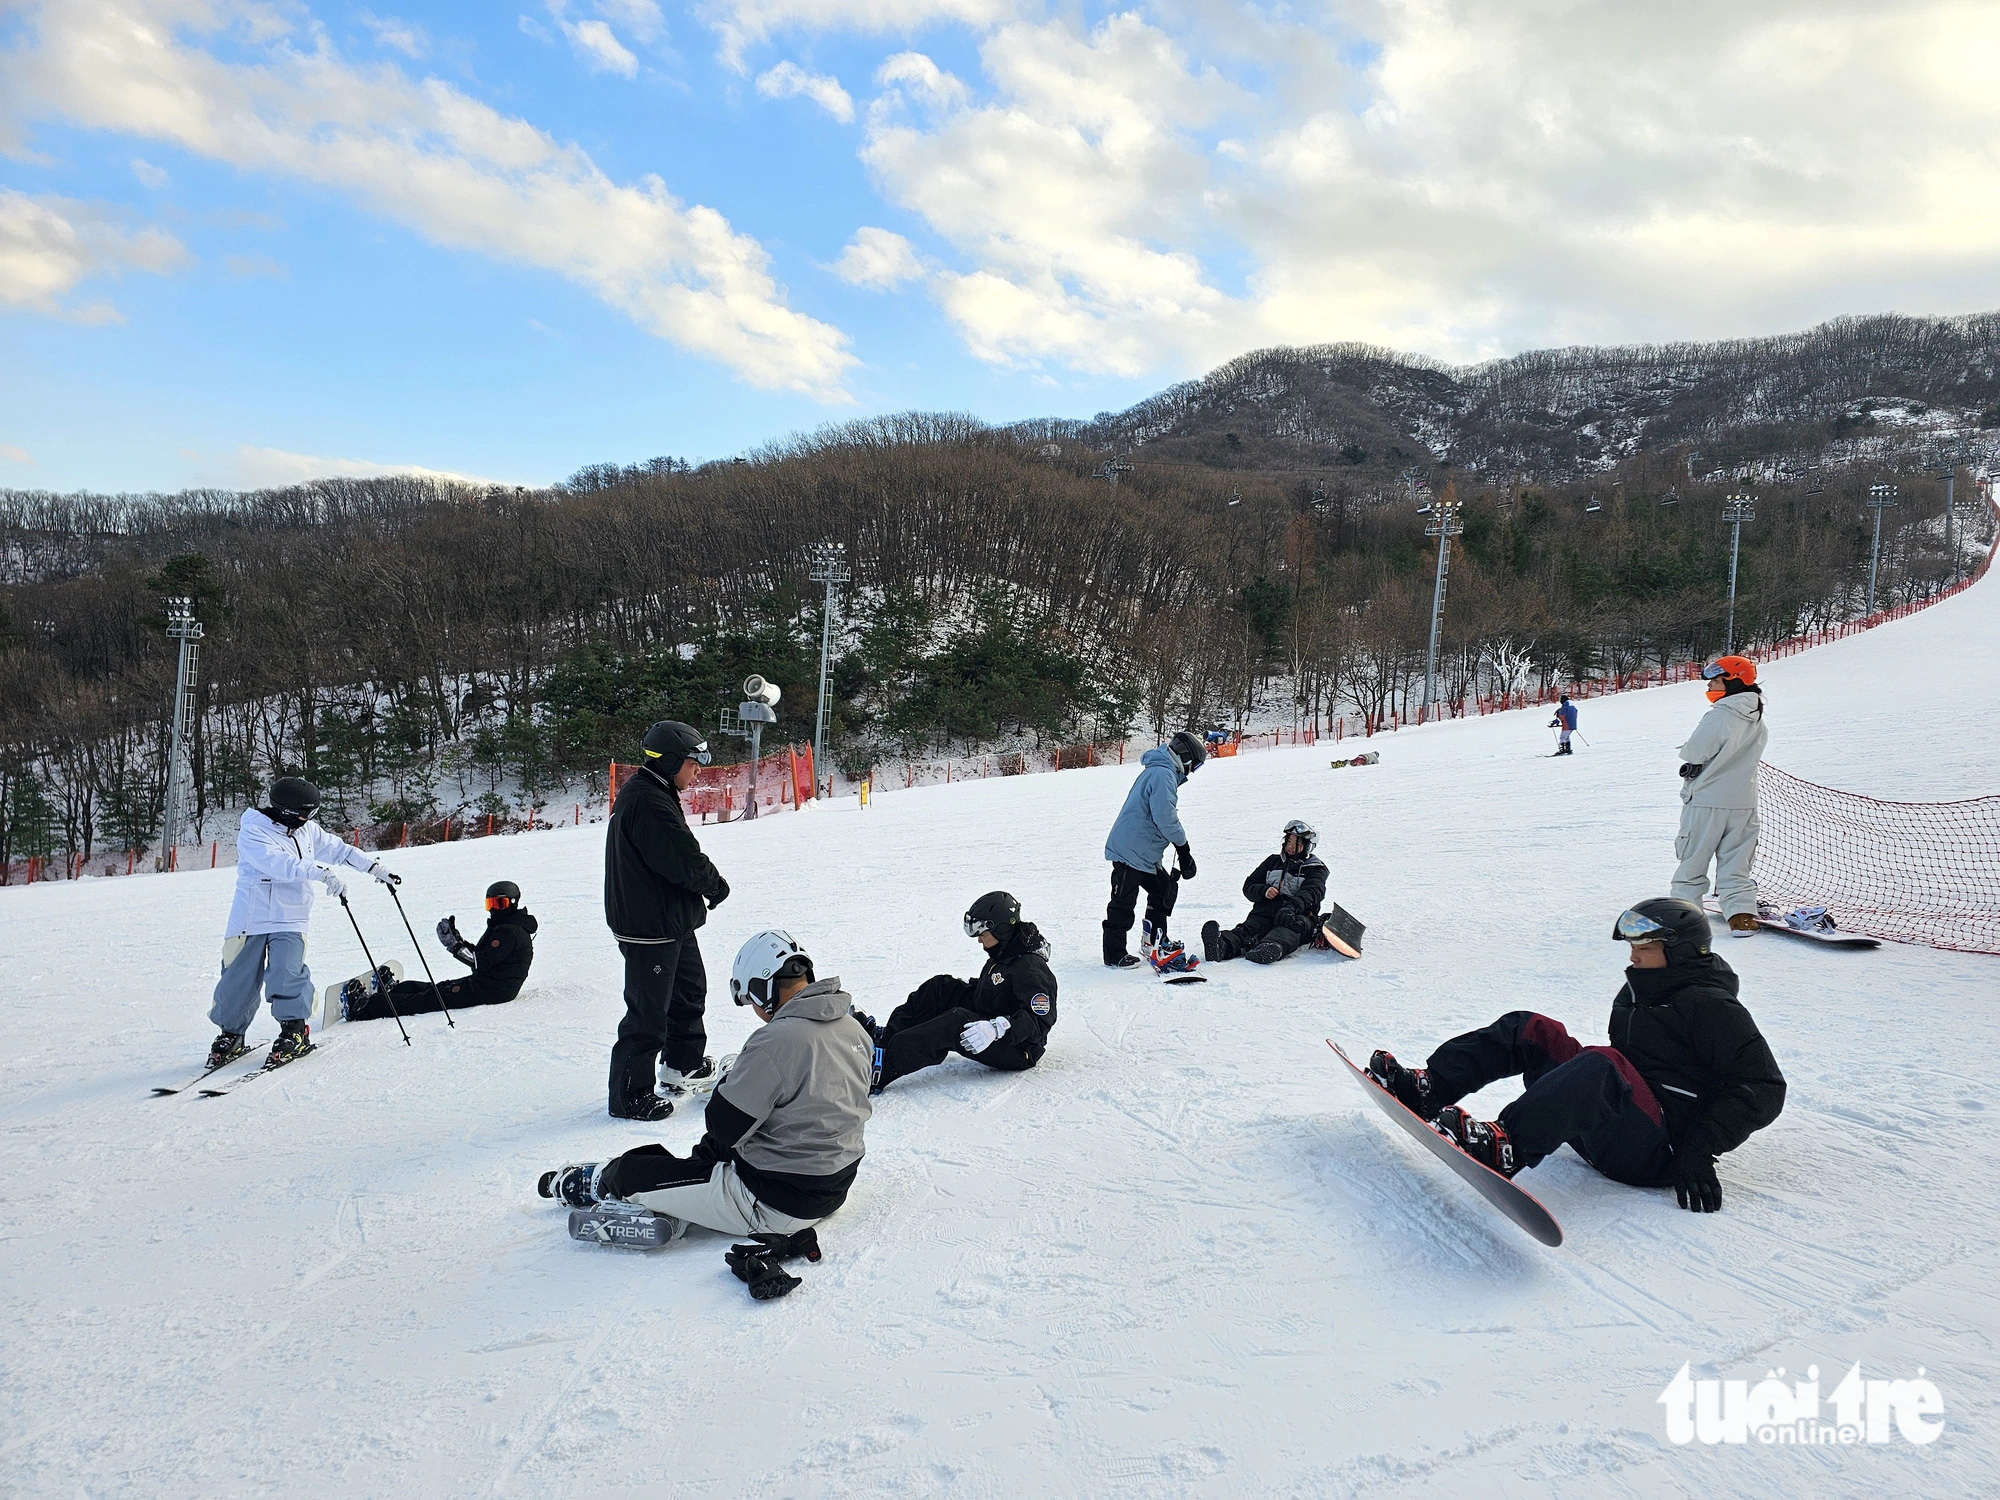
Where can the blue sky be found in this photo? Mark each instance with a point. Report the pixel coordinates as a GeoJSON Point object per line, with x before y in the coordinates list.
{"type": "Point", "coordinates": [250, 241]}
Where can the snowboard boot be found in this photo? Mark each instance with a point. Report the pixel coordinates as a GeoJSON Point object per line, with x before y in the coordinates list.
{"type": "Point", "coordinates": [1122, 961]}
{"type": "Point", "coordinates": [226, 1049]}
{"type": "Point", "coordinates": [1742, 925]}
{"type": "Point", "coordinates": [868, 1024]}
{"type": "Point", "coordinates": [1265, 953]}
{"type": "Point", "coordinates": [1411, 1086]}
{"type": "Point", "coordinates": [353, 996]}
{"type": "Point", "coordinates": [676, 1083]}
{"type": "Point", "coordinates": [294, 1041]}
{"type": "Point", "coordinates": [575, 1183]}
{"type": "Point", "coordinates": [1211, 941]}
{"type": "Point", "coordinates": [647, 1109]}
{"type": "Point", "coordinates": [1482, 1140]}
{"type": "Point", "coordinates": [382, 979]}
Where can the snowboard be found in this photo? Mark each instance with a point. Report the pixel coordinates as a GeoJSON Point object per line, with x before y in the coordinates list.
{"type": "Point", "coordinates": [1517, 1203]}
{"type": "Point", "coordinates": [623, 1225]}
{"type": "Point", "coordinates": [1769, 916]}
{"type": "Point", "coordinates": [1340, 930]}
{"type": "Point", "coordinates": [329, 1002]}
{"type": "Point", "coordinates": [1366, 758]}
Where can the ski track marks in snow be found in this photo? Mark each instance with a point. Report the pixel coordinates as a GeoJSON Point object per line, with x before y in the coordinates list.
{"type": "Point", "coordinates": [1178, 1258]}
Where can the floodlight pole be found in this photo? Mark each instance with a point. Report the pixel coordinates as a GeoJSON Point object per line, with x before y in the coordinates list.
{"type": "Point", "coordinates": [829, 566]}
{"type": "Point", "coordinates": [182, 626]}
{"type": "Point", "coordinates": [1880, 498]}
{"type": "Point", "coordinates": [1736, 511]}
{"type": "Point", "coordinates": [1444, 525]}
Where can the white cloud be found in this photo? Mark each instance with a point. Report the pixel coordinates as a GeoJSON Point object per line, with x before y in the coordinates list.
{"type": "Point", "coordinates": [149, 175]}
{"type": "Point", "coordinates": [406, 37]}
{"type": "Point", "coordinates": [424, 155]}
{"type": "Point", "coordinates": [914, 73]}
{"type": "Point", "coordinates": [48, 245]}
{"type": "Point", "coordinates": [788, 81]}
{"type": "Point", "coordinates": [639, 17]}
{"type": "Point", "coordinates": [595, 43]}
{"type": "Point", "coordinates": [272, 468]}
{"type": "Point", "coordinates": [879, 260]}
{"type": "Point", "coordinates": [15, 455]}
{"type": "Point", "coordinates": [741, 24]}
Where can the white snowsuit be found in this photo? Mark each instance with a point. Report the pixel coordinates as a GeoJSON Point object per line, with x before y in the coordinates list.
{"type": "Point", "coordinates": [1719, 807]}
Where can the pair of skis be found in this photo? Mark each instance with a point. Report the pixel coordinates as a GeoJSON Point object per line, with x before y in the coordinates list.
{"type": "Point", "coordinates": [237, 1080]}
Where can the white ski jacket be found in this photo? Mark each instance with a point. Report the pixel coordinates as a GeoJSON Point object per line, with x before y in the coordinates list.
{"type": "Point", "coordinates": [1726, 744]}
{"type": "Point", "coordinates": [275, 869]}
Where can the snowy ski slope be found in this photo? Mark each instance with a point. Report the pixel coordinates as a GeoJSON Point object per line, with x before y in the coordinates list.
{"type": "Point", "coordinates": [1182, 1257]}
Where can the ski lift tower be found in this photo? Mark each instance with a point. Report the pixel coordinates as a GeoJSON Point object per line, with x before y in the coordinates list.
{"type": "Point", "coordinates": [1444, 524]}
{"type": "Point", "coordinates": [829, 566]}
{"type": "Point", "coordinates": [1880, 498]}
{"type": "Point", "coordinates": [1950, 456]}
{"type": "Point", "coordinates": [182, 626]}
{"type": "Point", "coordinates": [1738, 509]}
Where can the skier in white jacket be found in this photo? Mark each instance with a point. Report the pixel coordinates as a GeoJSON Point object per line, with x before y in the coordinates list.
{"type": "Point", "coordinates": [280, 852]}
{"type": "Point", "coordinates": [1719, 797]}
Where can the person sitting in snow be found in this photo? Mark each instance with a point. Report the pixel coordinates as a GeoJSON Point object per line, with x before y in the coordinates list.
{"type": "Point", "coordinates": [1149, 821]}
{"type": "Point", "coordinates": [1687, 1076]}
{"type": "Point", "coordinates": [1001, 1019]}
{"type": "Point", "coordinates": [1285, 893]}
{"type": "Point", "coordinates": [499, 961]}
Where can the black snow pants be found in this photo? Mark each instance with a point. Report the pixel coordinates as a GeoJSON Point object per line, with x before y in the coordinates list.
{"type": "Point", "coordinates": [923, 1031]}
{"type": "Point", "coordinates": [1161, 889]}
{"type": "Point", "coordinates": [1268, 923]}
{"type": "Point", "coordinates": [1591, 1098]}
{"type": "Point", "coordinates": [414, 997]}
{"type": "Point", "coordinates": [666, 993]}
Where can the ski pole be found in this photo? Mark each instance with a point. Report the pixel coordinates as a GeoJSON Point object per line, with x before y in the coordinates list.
{"type": "Point", "coordinates": [398, 897]}
{"type": "Point", "coordinates": [1579, 734]}
{"type": "Point", "coordinates": [373, 972]}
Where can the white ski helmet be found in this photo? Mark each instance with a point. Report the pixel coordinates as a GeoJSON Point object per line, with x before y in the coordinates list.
{"type": "Point", "coordinates": [760, 963]}
{"type": "Point", "coordinates": [1308, 835]}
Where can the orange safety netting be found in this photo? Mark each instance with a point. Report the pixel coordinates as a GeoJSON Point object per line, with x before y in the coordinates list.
{"type": "Point", "coordinates": [784, 779]}
{"type": "Point", "coordinates": [1911, 872]}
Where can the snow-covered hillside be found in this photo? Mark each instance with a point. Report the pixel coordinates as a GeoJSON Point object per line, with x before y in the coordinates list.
{"type": "Point", "coordinates": [1183, 1256]}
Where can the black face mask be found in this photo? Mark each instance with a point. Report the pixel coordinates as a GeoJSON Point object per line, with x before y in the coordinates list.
{"type": "Point", "coordinates": [287, 819]}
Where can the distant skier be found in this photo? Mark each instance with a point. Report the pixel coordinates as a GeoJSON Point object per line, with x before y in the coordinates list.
{"type": "Point", "coordinates": [1001, 1019]}
{"type": "Point", "coordinates": [656, 881]}
{"type": "Point", "coordinates": [1687, 1076]}
{"type": "Point", "coordinates": [1285, 893]}
{"type": "Point", "coordinates": [499, 961]}
{"type": "Point", "coordinates": [1147, 824]}
{"type": "Point", "coordinates": [784, 1126]}
{"type": "Point", "coordinates": [280, 852]}
{"type": "Point", "coordinates": [1719, 797]}
{"type": "Point", "coordinates": [1565, 720]}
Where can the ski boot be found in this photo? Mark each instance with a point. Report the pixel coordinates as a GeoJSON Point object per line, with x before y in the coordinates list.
{"type": "Point", "coordinates": [1211, 942]}
{"type": "Point", "coordinates": [294, 1041]}
{"type": "Point", "coordinates": [226, 1049]}
{"type": "Point", "coordinates": [674, 1083]}
{"type": "Point", "coordinates": [1411, 1086]}
{"type": "Point", "coordinates": [1482, 1140]}
{"type": "Point", "coordinates": [1742, 925]}
{"type": "Point", "coordinates": [1265, 953]}
{"type": "Point", "coordinates": [575, 1183]}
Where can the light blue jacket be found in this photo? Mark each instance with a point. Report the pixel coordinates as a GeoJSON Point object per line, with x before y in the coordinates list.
{"type": "Point", "coordinates": [1150, 819]}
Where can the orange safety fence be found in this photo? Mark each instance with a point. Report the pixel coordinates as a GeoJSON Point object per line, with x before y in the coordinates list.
{"type": "Point", "coordinates": [784, 779]}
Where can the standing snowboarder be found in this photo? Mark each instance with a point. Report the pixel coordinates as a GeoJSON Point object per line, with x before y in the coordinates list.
{"type": "Point", "coordinates": [1565, 720]}
{"type": "Point", "coordinates": [499, 961]}
{"type": "Point", "coordinates": [1001, 1019]}
{"type": "Point", "coordinates": [1687, 1077]}
{"type": "Point", "coordinates": [1285, 893]}
{"type": "Point", "coordinates": [280, 853]}
{"type": "Point", "coordinates": [1719, 794]}
{"type": "Point", "coordinates": [784, 1126]}
{"type": "Point", "coordinates": [658, 888]}
{"type": "Point", "coordinates": [1147, 823]}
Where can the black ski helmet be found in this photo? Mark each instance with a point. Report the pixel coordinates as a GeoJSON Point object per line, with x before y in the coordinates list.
{"type": "Point", "coordinates": [1679, 926]}
{"type": "Point", "coordinates": [293, 800]}
{"type": "Point", "coordinates": [995, 912]}
{"type": "Point", "coordinates": [505, 891]}
{"type": "Point", "coordinates": [670, 742]}
{"type": "Point", "coordinates": [1186, 748]}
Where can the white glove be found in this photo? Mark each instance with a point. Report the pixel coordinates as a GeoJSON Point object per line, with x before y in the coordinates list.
{"type": "Point", "coordinates": [335, 886]}
{"type": "Point", "coordinates": [386, 877]}
{"type": "Point", "coordinates": [979, 1035]}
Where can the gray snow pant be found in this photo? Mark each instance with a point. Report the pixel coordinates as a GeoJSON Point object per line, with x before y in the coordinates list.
{"type": "Point", "coordinates": [1728, 837]}
{"type": "Point", "coordinates": [272, 961]}
{"type": "Point", "coordinates": [711, 1195]}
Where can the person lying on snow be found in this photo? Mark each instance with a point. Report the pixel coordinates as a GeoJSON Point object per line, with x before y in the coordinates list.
{"type": "Point", "coordinates": [784, 1126]}
{"type": "Point", "coordinates": [1001, 1019]}
{"type": "Point", "coordinates": [1285, 893]}
{"type": "Point", "coordinates": [1687, 1076]}
{"type": "Point", "coordinates": [499, 961]}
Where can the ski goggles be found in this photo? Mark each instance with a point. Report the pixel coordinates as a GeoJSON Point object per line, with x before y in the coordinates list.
{"type": "Point", "coordinates": [1714, 670]}
{"type": "Point", "coordinates": [699, 755]}
{"type": "Point", "coordinates": [976, 925]}
{"type": "Point", "coordinates": [497, 903]}
{"type": "Point", "coordinates": [1632, 927]}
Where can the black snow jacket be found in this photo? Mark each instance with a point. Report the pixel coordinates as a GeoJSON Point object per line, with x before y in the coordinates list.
{"type": "Point", "coordinates": [503, 955]}
{"type": "Point", "coordinates": [656, 879]}
{"type": "Point", "coordinates": [1690, 1038]}
{"type": "Point", "coordinates": [1301, 886]}
{"type": "Point", "coordinates": [1017, 983]}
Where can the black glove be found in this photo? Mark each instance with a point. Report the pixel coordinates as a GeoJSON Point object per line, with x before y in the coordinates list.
{"type": "Point", "coordinates": [1689, 770]}
{"type": "Point", "coordinates": [454, 941]}
{"type": "Point", "coordinates": [1696, 1187]}
{"type": "Point", "coordinates": [720, 895]}
{"type": "Point", "coordinates": [757, 1268]}
{"type": "Point", "coordinates": [1186, 871]}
